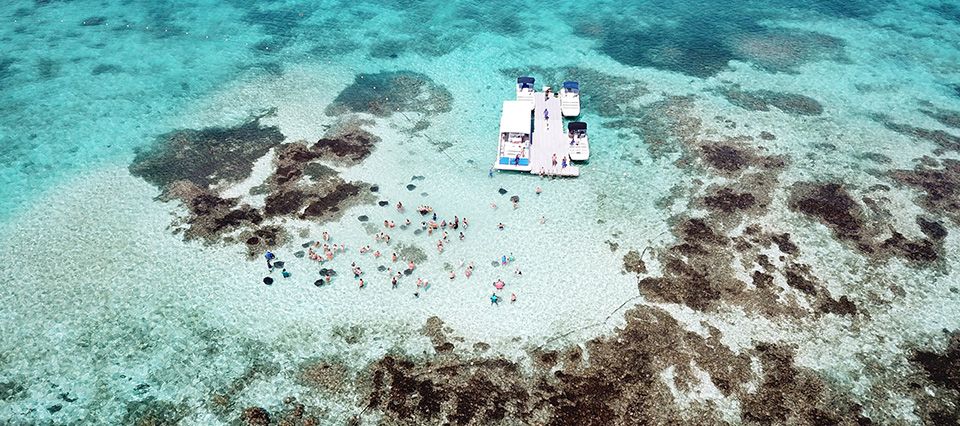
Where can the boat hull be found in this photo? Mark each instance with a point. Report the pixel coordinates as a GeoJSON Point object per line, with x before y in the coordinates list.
{"type": "Point", "coordinates": [580, 151]}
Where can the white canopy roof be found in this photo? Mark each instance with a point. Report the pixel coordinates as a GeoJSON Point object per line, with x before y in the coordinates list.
{"type": "Point", "coordinates": [515, 117]}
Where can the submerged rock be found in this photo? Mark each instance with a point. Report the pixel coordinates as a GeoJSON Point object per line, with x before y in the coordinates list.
{"type": "Point", "coordinates": [207, 156]}
{"type": "Point", "coordinates": [932, 228]}
{"type": "Point", "coordinates": [385, 93]}
{"type": "Point", "coordinates": [267, 280]}
{"type": "Point", "coordinates": [255, 416]}
{"type": "Point", "coordinates": [939, 187]}
{"type": "Point", "coordinates": [348, 142]}
{"type": "Point", "coordinates": [502, 191]}
{"type": "Point", "coordinates": [830, 204]}
{"type": "Point", "coordinates": [944, 141]}
{"type": "Point", "coordinates": [633, 262]}
{"type": "Point", "coordinates": [382, 203]}
{"type": "Point", "coordinates": [363, 218]}
{"type": "Point", "coordinates": [411, 187]}
{"type": "Point", "coordinates": [726, 200]}
{"type": "Point", "coordinates": [762, 100]}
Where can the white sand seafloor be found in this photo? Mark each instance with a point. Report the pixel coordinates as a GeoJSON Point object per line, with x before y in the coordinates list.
{"type": "Point", "coordinates": [105, 303]}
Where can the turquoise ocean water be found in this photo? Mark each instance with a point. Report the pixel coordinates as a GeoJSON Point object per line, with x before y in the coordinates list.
{"type": "Point", "coordinates": [109, 315]}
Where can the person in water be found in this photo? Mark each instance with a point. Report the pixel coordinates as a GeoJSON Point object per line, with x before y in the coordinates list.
{"type": "Point", "coordinates": [494, 299]}
{"type": "Point", "coordinates": [269, 257]}
{"type": "Point", "coordinates": [513, 297]}
{"type": "Point", "coordinates": [285, 273]}
{"type": "Point", "coordinates": [500, 226]}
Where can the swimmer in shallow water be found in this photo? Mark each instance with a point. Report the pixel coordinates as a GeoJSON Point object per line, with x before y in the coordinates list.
{"type": "Point", "coordinates": [513, 297]}
{"type": "Point", "coordinates": [500, 226]}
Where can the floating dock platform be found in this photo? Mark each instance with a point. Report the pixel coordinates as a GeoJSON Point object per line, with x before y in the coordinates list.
{"type": "Point", "coordinates": [540, 147]}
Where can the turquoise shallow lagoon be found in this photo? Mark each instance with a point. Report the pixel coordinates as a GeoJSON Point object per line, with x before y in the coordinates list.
{"type": "Point", "coordinates": [765, 233]}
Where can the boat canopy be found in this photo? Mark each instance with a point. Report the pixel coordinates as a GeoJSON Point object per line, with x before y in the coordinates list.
{"type": "Point", "coordinates": [571, 85]}
{"type": "Point", "coordinates": [577, 125]}
{"type": "Point", "coordinates": [527, 80]}
{"type": "Point", "coordinates": [515, 117]}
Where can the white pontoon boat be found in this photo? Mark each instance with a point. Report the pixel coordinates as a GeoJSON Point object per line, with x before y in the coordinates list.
{"type": "Point", "coordinates": [570, 99]}
{"type": "Point", "coordinates": [514, 147]}
{"type": "Point", "coordinates": [579, 143]}
{"type": "Point", "coordinates": [525, 90]}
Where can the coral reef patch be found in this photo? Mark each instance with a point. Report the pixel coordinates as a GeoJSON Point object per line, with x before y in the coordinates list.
{"type": "Point", "coordinates": [384, 93]}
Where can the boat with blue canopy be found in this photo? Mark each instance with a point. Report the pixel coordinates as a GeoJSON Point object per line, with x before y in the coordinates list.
{"type": "Point", "coordinates": [525, 90]}
{"type": "Point", "coordinates": [570, 99]}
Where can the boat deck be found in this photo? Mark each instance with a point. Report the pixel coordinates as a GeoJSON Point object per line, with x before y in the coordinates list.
{"type": "Point", "coordinates": [548, 139]}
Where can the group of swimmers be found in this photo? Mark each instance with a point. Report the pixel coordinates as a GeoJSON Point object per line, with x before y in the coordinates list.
{"type": "Point", "coordinates": [326, 251]}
